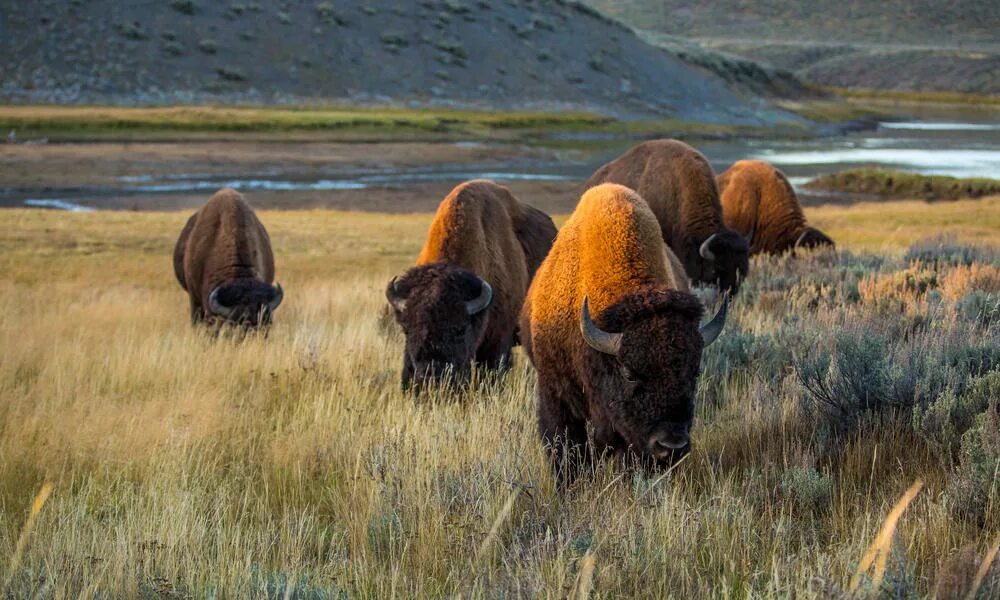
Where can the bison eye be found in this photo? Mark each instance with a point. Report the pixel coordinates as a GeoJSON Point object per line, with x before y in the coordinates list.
{"type": "Point", "coordinates": [627, 374]}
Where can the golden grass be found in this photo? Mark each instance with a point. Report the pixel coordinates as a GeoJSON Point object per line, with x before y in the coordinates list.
{"type": "Point", "coordinates": [190, 465]}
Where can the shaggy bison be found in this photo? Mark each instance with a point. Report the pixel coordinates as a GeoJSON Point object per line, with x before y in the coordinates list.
{"type": "Point", "coordinates": [758, 201]}
{"type": "Point", "coordinates": [612, 329]}
{"type": "Point", "coordinates": [460, 303]}
{"type": "Point", "coordinates": [678, 184]}
{"type": "Point", "coordinates": [223, 260]}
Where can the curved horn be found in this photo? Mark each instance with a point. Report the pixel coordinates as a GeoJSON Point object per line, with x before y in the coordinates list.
{"type": "Point", "coordinates": [706, 248]}
{"type": "Point", "coordinates": [392, 295]}
{"type": "Point", "coordinates": [279, 295]}
{"type": "Point", "coordinates": [798, 242]}
{"type": "Point", "coordinates": [749, 237]}
{"type": "Point", "coordinates": [479, 304]}
{"type": "Point", "coordinates": [711, 330]}
{"type": "Point", "coordinates": [597, 338]}
{"type": "Point", "coordinates": [217, 307]}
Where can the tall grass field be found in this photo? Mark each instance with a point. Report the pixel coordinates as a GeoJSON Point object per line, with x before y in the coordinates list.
{"type": "Point", "coordinates": [846, 444]}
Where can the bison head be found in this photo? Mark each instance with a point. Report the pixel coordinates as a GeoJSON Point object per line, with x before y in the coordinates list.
{"type": "Point", "coordinates": [245, 302]}
{"type": "Point", "coordinates": [442, 310]}
{"type": "Point", "coordinates": [644, 375]}
{"type": "Point", "coordinates": [813, 238]}
{"type": "Point", "coordinates": [725, 259]}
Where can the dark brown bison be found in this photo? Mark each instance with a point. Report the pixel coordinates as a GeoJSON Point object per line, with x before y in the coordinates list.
{"type": "Point", "coordinates": [678, 184]}
{"type": "Point", "coordinates": [758, 201]}
{"type": "Point", "coordinates": [460, 303]}
{"type": "Point", "coordinates": [223, 259]}
{"type": "Point", "coordinates": [613, 331]}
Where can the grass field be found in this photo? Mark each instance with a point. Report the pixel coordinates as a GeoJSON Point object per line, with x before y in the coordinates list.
{"type": "Point", "coordinates": [291, 466]}
{"type": "Point", "coordinates": [889, 184]}
{"type": "Point", "coordinates": [351, 123]}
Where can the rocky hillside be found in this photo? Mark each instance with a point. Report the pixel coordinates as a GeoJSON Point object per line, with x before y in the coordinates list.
{"type": "Point", "coordinates": [908, 45]}
{"type": "Point", "coordinates": [511, 54]}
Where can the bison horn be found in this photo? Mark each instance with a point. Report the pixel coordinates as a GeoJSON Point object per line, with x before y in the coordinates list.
{"type": "Point", "coordinates": [802, 237]}
{"type": "Point", "coordinates": [393, 296]}
{"type": "Point", "coordinates": [279, 295]}
{"type": "Point", "coordinates": [712, 329]}
{"type": "Point", "coordinates": [217, 307]}
{"type": "Point", "coordinates": [479, 304]}
{"type": "Point", "coordinates": [706, 248]}
{"type": "Point", "coordinates": [597, 338]}
{"type": "Point", "coordinates": [749, 237]}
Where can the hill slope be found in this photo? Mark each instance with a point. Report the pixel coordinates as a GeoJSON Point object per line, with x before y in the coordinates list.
{"type": "Point", "coordinates": [913, 45]}
{"type": "Point", "coordinates": [515, 54]}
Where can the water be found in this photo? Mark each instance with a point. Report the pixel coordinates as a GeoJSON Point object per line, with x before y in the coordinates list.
{"type": "Point", "coordinates": [959, 148]}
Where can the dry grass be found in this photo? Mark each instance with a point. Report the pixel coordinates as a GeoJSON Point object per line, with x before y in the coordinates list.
{"type": "Point", "coordinates": [291, 466]}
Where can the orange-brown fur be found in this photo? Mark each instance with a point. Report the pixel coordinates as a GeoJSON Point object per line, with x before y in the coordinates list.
{"type": "Point", "coordinates": [678, 184]}
{"type": "Point", "coordinates": [221, 244]}
{"type": "Point", "coordinates": [758, 198]}
{"type": "Point", "coordinates": [610, 251]}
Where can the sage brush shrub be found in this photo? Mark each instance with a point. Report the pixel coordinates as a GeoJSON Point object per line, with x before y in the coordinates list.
{"type": "Point", "coordinates": [979, 308]}
{"type": "Point", "coordinates": [944, 250]}
{"type": "Point", "coordinates": [807, 488]}
{"type": "Point", "coordinates": [944, 421]}
{"type": "Point", "coordinates": [974, 488]}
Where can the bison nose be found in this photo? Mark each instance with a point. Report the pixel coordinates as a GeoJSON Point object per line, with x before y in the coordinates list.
{"type": "Point", "coordinates": [669, 442]}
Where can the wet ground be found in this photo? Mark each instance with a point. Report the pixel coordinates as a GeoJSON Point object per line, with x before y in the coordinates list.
{"type": "Point", "coordinates": [413, 177]}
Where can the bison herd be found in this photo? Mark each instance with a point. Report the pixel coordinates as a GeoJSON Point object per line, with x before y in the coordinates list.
{"type": "Point", "coordinates": [602, 307]}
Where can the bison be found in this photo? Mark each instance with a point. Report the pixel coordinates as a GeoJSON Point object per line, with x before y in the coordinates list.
{"type": "Point", "coordinates": [613, 331]}
{"type": "Point", "coordinates": [223, 260]}
{"type": "Point", "coordinates": [759, 202]}
{"type": "Point", "coordinates": [678, 184]}
{"type": "Point", "coordinates": [460, 303]}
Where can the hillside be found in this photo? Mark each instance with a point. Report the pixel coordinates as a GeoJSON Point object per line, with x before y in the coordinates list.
{"type": "Point", "coordinates": [907, 45]}
{"type": "Point", "coordinates": [516, 54]}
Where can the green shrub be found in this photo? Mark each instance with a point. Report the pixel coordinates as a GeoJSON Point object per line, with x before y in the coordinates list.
{"type": "Point", "coordinates": [807, 488]}
{"type": "Point", "coordinates": [974, 489]}
{"type": "Point", "coordinates": [187, 7]}
{"type": "Point", "coordinates": [207, 46]}
{"type": "Point", "coordinates": [173, 48]}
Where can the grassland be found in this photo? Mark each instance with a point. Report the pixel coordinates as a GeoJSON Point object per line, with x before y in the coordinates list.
{"type": "Point", "coordinates": [892, 184]}
{"type": "Point", "coordinates": [343, 123]}
{"type": "Point", "coordinates": [291, 466]}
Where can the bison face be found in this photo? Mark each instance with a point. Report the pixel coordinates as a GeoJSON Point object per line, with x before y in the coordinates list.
{"type": "Point", "coordinates": [442, 310]}
{"type": "Point", "coordinates": [644, 375]}
{"type": "Point", "coordinates": [813, 238]}
{"type": "Point", "coordinates": [725, 259]}
{"type": "Point", "coordinates": [246, 302]}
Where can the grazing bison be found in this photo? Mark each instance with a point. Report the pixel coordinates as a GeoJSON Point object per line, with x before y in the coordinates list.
{"type": "Point", "coordinates": [758, 201]}
{"type": "Point", "coordinates": [223, 259]}
{"type": "Point", "coordinates": [460, 303]}
{"type": "Point", "coordinates": [678, 184]}
{"type": "Point", "coordinates": [612, 328]}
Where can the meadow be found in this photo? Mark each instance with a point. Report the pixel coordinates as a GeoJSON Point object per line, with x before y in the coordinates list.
{"type": "Point", "coordinates": [141, 457]}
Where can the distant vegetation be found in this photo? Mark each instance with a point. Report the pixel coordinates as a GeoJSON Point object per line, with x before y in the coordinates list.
{"type": "Point", "coordinates": [186, 465]}
{"type": "Point", "coordinates": [891, 184]}
{"type": "Point", "coordinates": [59, 122]}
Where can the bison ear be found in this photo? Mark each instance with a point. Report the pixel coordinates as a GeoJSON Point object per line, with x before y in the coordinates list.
{"type": "Point", "coordinates": [394, 296]}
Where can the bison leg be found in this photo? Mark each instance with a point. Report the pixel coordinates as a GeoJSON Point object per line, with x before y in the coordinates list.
{"type": "Point", "coordinates": [563, 436]}
{"type": "Point", "coordinates": [407, 377]}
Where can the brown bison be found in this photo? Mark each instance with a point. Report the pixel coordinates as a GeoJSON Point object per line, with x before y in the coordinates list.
{"type": "Point", "coordinates": [459, 304]}
{"type": "Point", "coordinates": [759, 202]}
{"type": "Point", "coordinates": [613, 330]}
{"type": "Point", "coordinates": [678, 184]}
{"type": "Point", "coordinates": [223, 259]}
